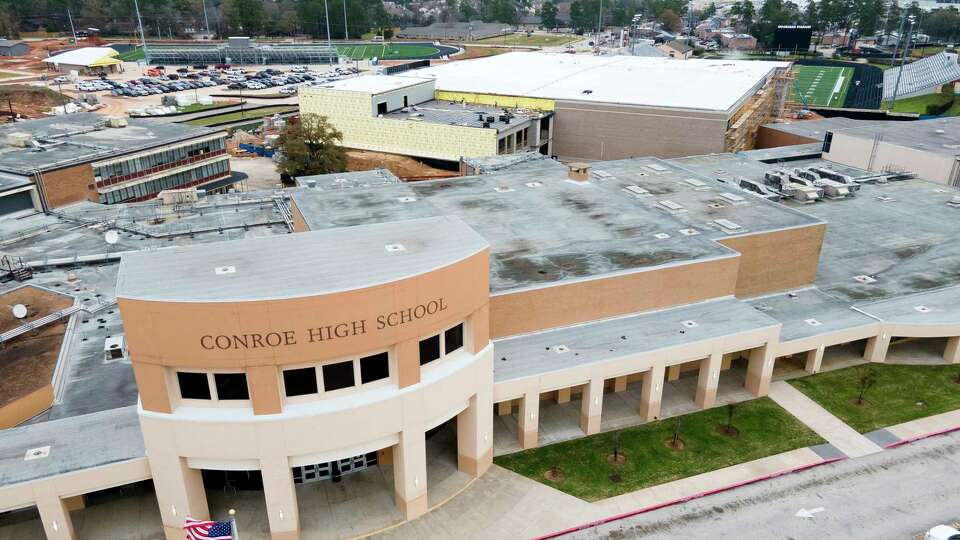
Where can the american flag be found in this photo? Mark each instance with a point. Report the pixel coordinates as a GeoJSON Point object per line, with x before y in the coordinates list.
{"type": "Point", "coordinates": [207, 530]}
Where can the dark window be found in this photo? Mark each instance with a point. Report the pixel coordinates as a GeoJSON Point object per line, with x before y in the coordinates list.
{"type": "Point", "coordinates": [231, 385]}
{"type": "Point", "coordinates": [827, 140]}
{"type": "Point", "coordinates": [300, 382]}
{"type": "Point", "coordinates": [337, 376]}
{"type": "Point", "coordinates": [374, 368]}
{"type": "Point", "coordinates": [193, 385]}
{"type": "Point", "coordinates": [429, 349]}
{"type": "Point", "coordinates": [382, 108]}
{"type": "Point", "coordinates": [453, 339]}
{"type": "Point", "coordinates": [405, 103]}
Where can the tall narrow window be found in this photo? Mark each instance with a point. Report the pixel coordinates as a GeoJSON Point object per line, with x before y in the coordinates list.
{"type": "Point", "coordinates": [453, 339]}
{"type": "Point", "coordinates": [429, 349]}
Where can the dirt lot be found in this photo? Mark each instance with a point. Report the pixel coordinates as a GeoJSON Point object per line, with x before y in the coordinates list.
{"type": "Point", "coordinates": [29, 101]}
{"type": "Point", "coordinates": [27, 362]}
{"type": "Point", "coordinates": [405, 167]}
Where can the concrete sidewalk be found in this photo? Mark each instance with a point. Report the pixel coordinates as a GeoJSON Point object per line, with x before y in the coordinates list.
{"type": "Point", "coordinates": [929, 425]}
{"type": "Point", "coordinates": [835, 431]}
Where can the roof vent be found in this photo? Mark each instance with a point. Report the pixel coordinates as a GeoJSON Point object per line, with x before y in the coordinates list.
{"type": "Point", "coordinates": [728, 225]}
{"type": "Point", "coordinates": [406, 199]}
{"type": "Point", "coordinates": [689, 232]}
{"type": "Point", "coordinates": [812, 322]}
{"type": "Point", "coordinates": [696, 184]}
{"type": "Point", "coordinates": [603, 175]}
{"type": "Point", "coordinates": [884, 198]}
{"type": "Point", "coordinates": [503, 189]}
{"type": "Point", "coordinates": [670, 206]}
{"type": "Point", "coordinates": [560, 349]}
{"type": "Point", "coordinates": [922, 309]}
{"type": "Point", "coordinates": [222, 270]}
{"type": "Point", "coordinates": [863, 278]}
{"type": "Point", "coordinates": [534, 184]}
{"type": "Point", "coordinates": [578, 171]}
{"type": "Point", "coordinates": [37, 453]}
{"type": "Point", "coordinates": [689, 324]}
{"type": "Point", "coordinates": [656, 167]}
{"type": "Point", "coordinates": [636, 190]}
{"type": "Point", "coordinates": [954, 201]}
{"type": "Point", "coordinates": [661, 235]}
{"type": "Point", "coordinates": [394, 247]}
{"type": "Point", "coordinates": [732, 198]}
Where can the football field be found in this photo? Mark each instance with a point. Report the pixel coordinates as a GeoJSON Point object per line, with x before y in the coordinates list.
{"type": "Point", "coordinates": [386, 51]}
{"type": "Point", "coordinates": [822, 86]}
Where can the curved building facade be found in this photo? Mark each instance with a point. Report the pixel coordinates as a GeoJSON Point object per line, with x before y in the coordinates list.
{"type": "Point", "coordinates": [323, 362]}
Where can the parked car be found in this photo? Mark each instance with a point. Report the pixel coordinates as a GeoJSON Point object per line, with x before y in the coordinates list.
{"type": "Point", "coordinates": [222, 67]}
{"type": "Point", "coordinates": [200, 66]}
{"type": "Point", "coordinates": [942, 532]}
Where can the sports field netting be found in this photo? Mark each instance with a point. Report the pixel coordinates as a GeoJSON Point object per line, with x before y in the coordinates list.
{"type": "Point", "coordinates": [386, 51]}
{"type": "Point", "coordinates": [822, 86]}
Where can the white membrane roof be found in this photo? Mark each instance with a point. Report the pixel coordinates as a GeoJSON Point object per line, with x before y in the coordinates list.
{"type": "Point", "coordinates": [711, 85]}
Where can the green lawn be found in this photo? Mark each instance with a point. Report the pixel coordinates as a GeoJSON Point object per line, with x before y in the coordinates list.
{"type": "Point", "coordinates": [234, 116]}
{"type": "Point", "coordinates": [534, 40]}
{"type": "Point", "coordinates": [386, 51]}
{"type": "Point", "coordinates": [132, 55]}
{"type": "Point", "coordinates": [918, 104]}
{"type": "Point", "coordinates": [765, 429]}
{"type": "Point", "coordinates": [197, 107]}
{"type": "Point", "coordinates": [818, 84]}
{"type": "Point", "coordinates": [892, 400]}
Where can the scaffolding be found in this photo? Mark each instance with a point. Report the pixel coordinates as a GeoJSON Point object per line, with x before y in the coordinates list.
{"type": "Point", "coordinates": [763, 107]}
{"type": "Point", "coordinates": [280, 53]}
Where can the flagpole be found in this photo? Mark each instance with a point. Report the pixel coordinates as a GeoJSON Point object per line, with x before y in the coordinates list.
{"type": "Point", "coordinates": [233, 524]}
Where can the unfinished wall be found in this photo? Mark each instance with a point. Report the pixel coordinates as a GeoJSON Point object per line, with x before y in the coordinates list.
{"type": "Point", "coordinates": [595, 131]}
{"type": "Point", "coordinates": [589, 300]}
{"type": "Point", "coordinates": [771, 137]}
{"type": "Point", "coordinates": [778, 260]}
{"type": "Point", "coordinates": [69, 185]}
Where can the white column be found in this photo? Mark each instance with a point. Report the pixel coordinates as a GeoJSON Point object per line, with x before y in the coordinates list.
{"type": "Point", "coordinates": [410, 473]}
{"type": "Point", "coordinates": [760, 370]}
{"type": "Point", "coordinates": [814, 360]}
{"type": "Point", "coordinates": [708, 380]}
{"type": "Point", "coordinates": [179, 491]}
{"type": "Point", "coordinates": [951, 354]}
{"type": "Point", "coordinates": [877, 347]}
{"type": "Point", "coordinates": [281, 498]}
{"type": "Point", "coordinates": [54, 513]}
{"type": "Point", "coordinates": [528, 420]}
{"type": "Point", "coordinates": [475, 434]}
{"type": "Point", "coordinates": [591, 406]}
{"type": "Point", "coordinates": [651, 393]}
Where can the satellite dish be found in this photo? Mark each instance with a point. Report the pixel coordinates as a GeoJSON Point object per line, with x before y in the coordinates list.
{"type": "Point", "coordinates": [19, 311]}
{"type": "Point", "coordinates": [111, 236]}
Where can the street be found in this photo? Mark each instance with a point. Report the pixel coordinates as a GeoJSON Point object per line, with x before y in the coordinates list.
{"type": "Point", "coordinates": [897, 493]}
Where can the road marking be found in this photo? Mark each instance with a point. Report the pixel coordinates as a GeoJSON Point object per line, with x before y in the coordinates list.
{"type": "Point", "coordinates": [808, 514]}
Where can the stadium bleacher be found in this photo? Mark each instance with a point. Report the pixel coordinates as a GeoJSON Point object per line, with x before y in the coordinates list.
{"type": "Point", "coordinates": [922, 77]}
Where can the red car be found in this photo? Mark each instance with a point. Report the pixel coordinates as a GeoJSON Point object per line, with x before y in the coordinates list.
{"type": "Point", "coordinates": [222, 66]}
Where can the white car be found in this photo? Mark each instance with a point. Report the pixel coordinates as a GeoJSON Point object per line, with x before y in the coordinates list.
{"type": "Point", "coordinates": [288, 90]}
{"type": "Point", "coordinates": [942, 532]}
{"type": "Point", "coordinates": [300, 69]}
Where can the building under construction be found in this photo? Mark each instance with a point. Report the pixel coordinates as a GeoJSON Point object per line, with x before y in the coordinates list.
{"type": "Point", "coordinates": [242, 51]}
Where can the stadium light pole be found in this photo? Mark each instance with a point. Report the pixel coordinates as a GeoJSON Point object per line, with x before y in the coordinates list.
{"type": "Point", "coordinates": [72, 29]}
{"type": "Point", "coordinates": [903, 62]}
{"type": "Point", "coordinates": [143, 39]}
{"type": "Point", "coordinates": [206, 21]}
{"type": "Point", "coordinates": [346, 36]}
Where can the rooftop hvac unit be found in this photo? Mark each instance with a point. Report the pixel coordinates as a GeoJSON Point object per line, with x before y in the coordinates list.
{"type": "Point", "coordinates": [732, 198]}
{"type": "Point", "coordinates": [117, 122]}
{"type": "Point", "coordinates": [490, 119]}
{"type": "Point", "coordinates": [20, 139]}
{"type": "Point", "coordinates": [696, 184]}
{"type": "Point", "coordinates": [636, 190]}
{"type": "Point", "coordinates": [727, 225]}
{"type": "Point", "coordinates": [657, 167]}
{"type": "Point", "coordinates": [486, 124]}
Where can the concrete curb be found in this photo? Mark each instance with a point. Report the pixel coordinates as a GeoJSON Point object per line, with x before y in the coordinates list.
{"type": "Point", "coordinates": [699, 495]}
{"type": "Point", "coordinates": [922, 437]}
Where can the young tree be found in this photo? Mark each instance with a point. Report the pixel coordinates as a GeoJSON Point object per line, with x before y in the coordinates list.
{"type": "Point", "coordinates": [811, 16]}
{"type": "Point", "coordinates": [311, 146]}
{"type": "Point", "coordinates": [744, 12]}
{"type": "Point", "coordinates": [866, 378]}
{"type": "Point", "coordinates": [670, 20]}
{"type": "Point", "coordinates": [576, 16]}
{"type": "Point", "coordinates": [709, 11]}
{"type": "Point", "coordinates": [548, 15]}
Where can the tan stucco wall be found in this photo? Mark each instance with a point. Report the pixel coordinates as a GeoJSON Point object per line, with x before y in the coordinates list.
{"type": "Point", "coordinates": [777, 260]}
{"type": "Point", "coordinates": [595, 131]}
{"type": "Point", "coordinates": [564, 304]}
{"type": "Point", "coordinates": [857, 151]}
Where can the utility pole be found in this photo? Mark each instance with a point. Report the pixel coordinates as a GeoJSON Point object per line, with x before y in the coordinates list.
{"type": "Point", "coordinates": [72, 29]}
{"type": "Point", "coordinates": [143, 39]}
{"type": "Point", "coordinates": [903, 62]}
{"type": "Point", "coordinates": [345, 34]}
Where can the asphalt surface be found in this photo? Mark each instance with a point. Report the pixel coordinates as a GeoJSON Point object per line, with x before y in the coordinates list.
{"type": "Point", "coordinates": [896, 494]}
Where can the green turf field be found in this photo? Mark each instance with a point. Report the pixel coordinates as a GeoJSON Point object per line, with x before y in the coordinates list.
{"type": "Point", "coordinates": [822, 86]}
{"type": "Point", "coordinates": [385, 51]}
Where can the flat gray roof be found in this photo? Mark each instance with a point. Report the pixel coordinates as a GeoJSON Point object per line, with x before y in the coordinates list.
{"type": "Point", "coordinates": [76, 443]}
{"type": "Point", "coordinates": [543, 228]}
{"type": "Point", "coordinates": [12, 181]}
{"type": "Point", "coordinates": [534, 354]}
{"type": "Point", "coordinates": [81, 137]}
{"type": "Point", "coordinates": [303, 264]}
{"type": "Point", "coordinates": [808, 312]}
{"type": "Point", "coordinates": [815, 129]}
{"type": "Point", "coordinates": [448, 113]}
{"type": "Point", "coordinates": [933, 307]}
{"type": "Point", "coordinates": [344, 180]}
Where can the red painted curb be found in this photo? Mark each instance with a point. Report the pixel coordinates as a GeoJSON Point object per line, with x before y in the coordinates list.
{"type": "Point", "coordinates": [922, 437]}
{"type": "Point", "coordinates": [651, 508]}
